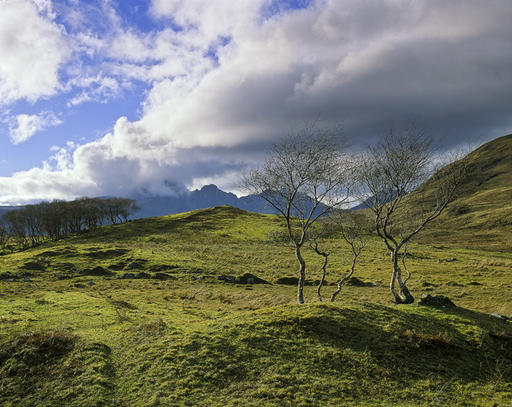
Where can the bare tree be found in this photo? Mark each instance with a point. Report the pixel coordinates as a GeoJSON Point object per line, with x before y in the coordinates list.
{"type": "Point", "coordinates": [303, 179]}
{"type": "Point", "coordinates": [314, 245]}
{"type": "Point", "coordinates": [352, 231]}
{"type": "Point", "coordinates": [393, 168]}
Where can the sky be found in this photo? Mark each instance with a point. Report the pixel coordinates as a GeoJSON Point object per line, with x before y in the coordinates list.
{"type": "Point", "coordinates": [157, 97]}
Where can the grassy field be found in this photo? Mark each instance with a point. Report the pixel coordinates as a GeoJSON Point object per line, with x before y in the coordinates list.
{"type": "Point", "coordinates": [481, 218]}
{"type": "Point", "coordinates": [74, 333]}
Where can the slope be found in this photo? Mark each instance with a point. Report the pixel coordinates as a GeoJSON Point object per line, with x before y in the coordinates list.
{"type": "Point", "coordinates": [482, 215]}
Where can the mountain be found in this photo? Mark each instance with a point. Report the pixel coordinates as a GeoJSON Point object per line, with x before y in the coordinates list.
{"type": "Point", "coordinates": [206, 197]}
{"type": "Point", "coordinates": [482, 215]}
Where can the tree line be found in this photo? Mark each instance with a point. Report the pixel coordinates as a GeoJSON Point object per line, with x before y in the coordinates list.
{"type": "Point", "coordinates": [312, 177]}
{"type": "Point", "coordinates": [31, 224]}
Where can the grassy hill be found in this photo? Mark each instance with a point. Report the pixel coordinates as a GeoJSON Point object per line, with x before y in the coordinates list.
{"type": "Point", "coordinates": [136, 315]}
{"type": "Point", "coordinates": [482, 216]}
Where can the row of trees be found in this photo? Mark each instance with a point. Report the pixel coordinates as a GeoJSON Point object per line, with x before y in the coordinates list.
{"type": "Point", "coordinates": [31, 224]}
{"type": "Point", "coordinates": [310, 177]}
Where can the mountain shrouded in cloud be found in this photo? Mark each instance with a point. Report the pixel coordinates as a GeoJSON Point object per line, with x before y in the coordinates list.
{"type": "Point", "coordinates": [220, 81]}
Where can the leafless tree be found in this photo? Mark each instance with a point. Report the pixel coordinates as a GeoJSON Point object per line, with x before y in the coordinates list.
{"type": "Point", "coordinates": [325, 254]}
{"type": "Point", "coordinates": [303, 179]}
{"type": "Point", "coordinates": [352, 230]}
{"type": "Point", "coordinates": [393, 168]}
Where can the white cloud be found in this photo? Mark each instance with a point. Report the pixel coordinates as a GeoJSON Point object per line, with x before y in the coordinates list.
{"type": "Point", "coordinates": [99, 89]}
{"type": "Point", "coordinates": [364, 65]}
{"type": "Point", "coordinates": [32, 49]}
{"type": "Point", "coordinates": [24, 126]}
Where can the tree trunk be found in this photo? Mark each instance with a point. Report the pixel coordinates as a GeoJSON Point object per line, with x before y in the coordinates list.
{"type": "Point", "coordinates": [322, 280]}
{"type": "Point", "coordinates": [302, 276]}
{"type": "Point", "coordinates": [342, 281]}
{"type": "Point", "coordinates": [404, 296]}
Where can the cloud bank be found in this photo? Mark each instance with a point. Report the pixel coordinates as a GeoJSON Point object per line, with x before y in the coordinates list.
{"type": "Point", "coordinates": [229, 78]}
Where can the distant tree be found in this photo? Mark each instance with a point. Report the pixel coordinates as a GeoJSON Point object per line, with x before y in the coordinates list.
{"type": "Point", "coordinates": [4, 234]}
{"type": "Point", "coordinates": [303, 179]}
{"type": "Point", "coordinates": [17, 226]}
{"type": "Point", "coordinates": [118, 210]}
{"type": "Point", "coordinates": [33, 223]}
{"type": "Point", "coordinates": [392, 169]}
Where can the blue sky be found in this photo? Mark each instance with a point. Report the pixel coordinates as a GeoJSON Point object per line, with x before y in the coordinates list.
{"type": "Point", "coordinates": [111, 97]}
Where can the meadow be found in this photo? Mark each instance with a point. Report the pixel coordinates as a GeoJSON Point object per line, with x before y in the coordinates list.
{"type": "Point", "coordinates": [136, 315]}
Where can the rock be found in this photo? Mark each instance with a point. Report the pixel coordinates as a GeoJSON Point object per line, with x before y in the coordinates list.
{"type": "Point", "coordinates": [294, 281]}
{"type": "Point", "coordinates": [249, 278]}
{"type": "Point", "coordinates": [450, 260]}
{"type": "Point", "coordinates": [27, 280]}
{"type": "Point", "coordinates": [227, 279]}
{"type": "Point", "coordinates": [500, 316]}
{"type": "Point", "coordinates": [288, 280]}
{"type": "Point", "coordinates": [96, 271]}
{"type": "Point", "coordinates": [436, 301]}
{"type": "Point", "coordinates": [78, 285]}
{"type": "Point", "coordinates": [354, 281]}
{"type": "Point", "coordinates": [127, 276]}
{"type": "Point", "coordinates": [475, 283]}
{"type": "Point", "coordinates": [427, 284]}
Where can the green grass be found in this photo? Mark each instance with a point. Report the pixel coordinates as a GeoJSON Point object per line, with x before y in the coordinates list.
{"type": "Point", "coordinates": [84, 340]}
{"type": "Point", "coordinates": [481, 217]}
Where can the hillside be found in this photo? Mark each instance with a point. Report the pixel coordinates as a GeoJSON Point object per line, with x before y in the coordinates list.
{"type": "Point", "coordinates": [136, 315]}
{"type": "Point", "coordinates": [482, 216]}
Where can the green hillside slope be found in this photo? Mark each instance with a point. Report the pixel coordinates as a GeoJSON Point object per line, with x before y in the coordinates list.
{"type": "Point", "coordinates": [136, 315]}
{"type": "Point", "coordinates": [482, 216]}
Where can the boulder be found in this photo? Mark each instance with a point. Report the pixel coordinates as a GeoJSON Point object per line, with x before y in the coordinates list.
{"type": "Point", "coordinates": [288, 280]}
{"type": "Point", "coordinates": [354, 281]}
{"type": "Point", "coordinates": [249, 278]}
{"type": "Point", "coordinates": [436, 301]}
{"type": "Point", "coordinates": [227, 279]}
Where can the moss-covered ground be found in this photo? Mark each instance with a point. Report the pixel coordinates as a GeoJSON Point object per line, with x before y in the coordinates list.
{"type": "Point", "coordinates": [73, 333]}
